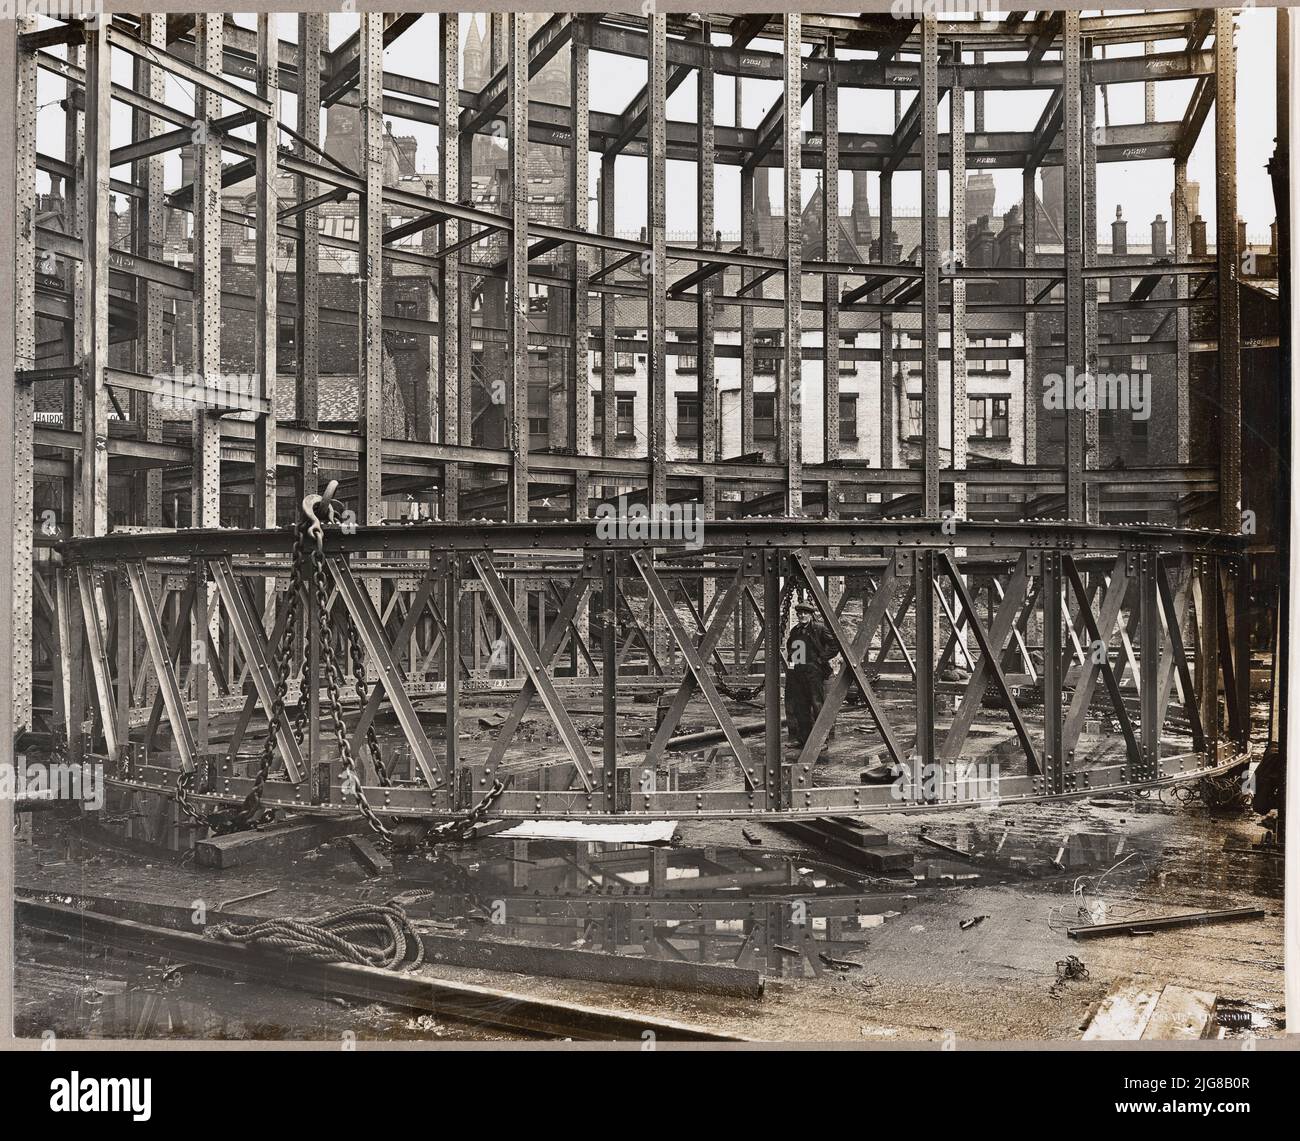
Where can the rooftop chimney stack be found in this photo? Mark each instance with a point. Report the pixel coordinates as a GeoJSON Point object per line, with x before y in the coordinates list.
{"type": "Point", "coordinates": [1159, 248]}
{"type": "Point", "coordinates": [1119, 233]}
{"type": "Point", "coordinates": [1198, 237]}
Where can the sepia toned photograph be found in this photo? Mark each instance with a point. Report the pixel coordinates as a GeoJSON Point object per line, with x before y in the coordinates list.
{"type": "Point", "coordinates": [648, 527]}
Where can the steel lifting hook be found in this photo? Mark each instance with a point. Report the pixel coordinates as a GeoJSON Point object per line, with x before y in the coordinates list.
{"type": "Point", "coordinates": [310, 504]}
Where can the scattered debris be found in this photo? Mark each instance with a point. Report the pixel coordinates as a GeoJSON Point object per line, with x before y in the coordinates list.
{"type": "Point", "coordinates": [838, 964]}
{"type": "Point", "coordinates": [1136, 1011]}
{"type": "Point", "coordinates": [1151, 923]}
{"type": "Point", "coordinates": [373, 862]}
{"type": "Point", "coordinates": [1071, 967]}
{"type": "Point", "coordinates": [750, 837]}
{"type": "Point", "coordinates": [973, 921]}
{"type": "Point", "coordinates": [245, 898]}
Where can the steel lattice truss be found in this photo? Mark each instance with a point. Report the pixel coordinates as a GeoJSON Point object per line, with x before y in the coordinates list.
{"type": "Point", "coordinates": [168, 634]}
{"type": "Point", "coordinates": [1137, 628]}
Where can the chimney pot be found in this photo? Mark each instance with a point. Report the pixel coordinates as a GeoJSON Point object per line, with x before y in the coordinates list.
{"type": "Point", "coordinates": [1159, 247]}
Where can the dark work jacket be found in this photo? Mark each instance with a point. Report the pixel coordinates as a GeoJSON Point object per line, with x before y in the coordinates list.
{"type": "Point", "coordinates": [818, 648]}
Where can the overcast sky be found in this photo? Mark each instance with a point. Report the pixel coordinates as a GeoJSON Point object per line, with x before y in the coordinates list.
{"type": "Point", "coordinates": [1143, 189]}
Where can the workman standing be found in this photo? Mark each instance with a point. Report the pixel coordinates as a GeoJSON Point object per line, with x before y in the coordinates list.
{"type": "Point", "coordinates": [809, 650]}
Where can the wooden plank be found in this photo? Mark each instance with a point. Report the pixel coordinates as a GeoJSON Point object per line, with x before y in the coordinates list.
{"type": "Point", "coordinates": [277, 842]}
{"type": "Point", "coordinates": [1123, 1014]}
{"type": "Point", "coordinates": [371, 859]}
{"type": "Point", "coordinates": [1181, 1013]}
{"type": "Point", "coordinates": [419, 990]}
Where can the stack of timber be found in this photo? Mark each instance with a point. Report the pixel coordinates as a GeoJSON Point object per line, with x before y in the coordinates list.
{"type": "Point", "coordinates": [850, 840]}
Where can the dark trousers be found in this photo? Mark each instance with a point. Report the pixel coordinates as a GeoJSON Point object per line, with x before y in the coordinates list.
{"type": "Point", "coordinates": [805, 690]}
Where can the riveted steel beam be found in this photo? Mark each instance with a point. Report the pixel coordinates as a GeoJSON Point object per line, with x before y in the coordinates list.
{"type": "Point", "coordinates": [930, 259]}
{"type": "Point", "coordinates": [370, 269]}
{"type": "Point", "coordinates": [517, 273]}
{"type": "Point", "coordinates": [790, 425]}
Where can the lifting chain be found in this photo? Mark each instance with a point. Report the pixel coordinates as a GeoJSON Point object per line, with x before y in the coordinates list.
{"type": "Point", "coordinates": [308, 575]}
{"type": "Point", "coordinates": [351, 784]}
{"type": "Point", "coordinates": [748, 693]}
{"type": "Point", "coordinates": [250, 813]}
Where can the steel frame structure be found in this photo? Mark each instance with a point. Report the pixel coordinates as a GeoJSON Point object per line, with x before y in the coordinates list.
{"type": "Point", "coordinates": [1067, 608]}
{"type": "Point", "coordinates": [107, 637]}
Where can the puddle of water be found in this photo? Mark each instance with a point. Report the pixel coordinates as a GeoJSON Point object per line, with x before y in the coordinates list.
{"type": "Point", "coordinates": [773, 911]}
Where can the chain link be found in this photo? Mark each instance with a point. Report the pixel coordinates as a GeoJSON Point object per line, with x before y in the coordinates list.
{"type": "Point", "coordinates": [308, 575]}
{"type": "Point", "coordinates": [747, 692]}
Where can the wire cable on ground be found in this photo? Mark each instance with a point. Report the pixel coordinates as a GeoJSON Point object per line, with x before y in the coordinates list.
{"type": "Point", "coordinates": [371, 935]}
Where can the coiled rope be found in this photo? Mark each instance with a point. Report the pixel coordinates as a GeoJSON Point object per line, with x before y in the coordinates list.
{"type": "Point", "coordinates": [371, 935]}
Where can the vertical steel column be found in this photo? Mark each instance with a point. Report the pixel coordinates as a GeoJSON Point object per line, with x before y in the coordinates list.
{"type": "Point", "coordinates": [656, 296]}
{"type": "Point", "coordinates": [451, 651]}
{"type": "Point", "coordinates": [1225, 243]}
{"type": "Point", "coordinates": [14, 291]}
{"type": "Point", "coordinates": [1053, 676]}
{"type": "Point", "coordinates": [932, 459]}
{"type": "Point", "coordinates": [580, 182]}
{"type": "Point", "coordinates": [205, 487]}
{"type": "Point", "coordinates": [748, 242]}
{"type": "Point", "coordinates": [74, 151]}
{"type": "Point", "coordinates": [1207, 667]}
{"type": "Point", "coordinates": [790, 426]}
{"type": "Point", "coordinates": [957, 188]}
{"type": "Point", "coordinates": [1149, 663]}
{"type": "Point", "coordinates": [1182, 318]}
{"type": "Point", "coordinates": [888, 417]}
{"type": "Point", "coordinates": [705, 349]}
{"type": "Point", "coordinates": [773, 647]}
{"type": "Point", "coordinates": [1091, 314]}
{"type": "Point", "coordinates": [923, 586]}
{"type": "Point", "coordinates": [449, 268]}
{"type": "Point", "coordinates": [517, 271]}
{"type": "Point", "coordinates": [268, 243]}
{"type": "Point", "coordinates": [608, 312]}
{"type": "Point", "coordinates": [24, 396]}
{"type": "Point", "coordinates": [311, 42]}
{"type": "Point", "coordinates": [1032, 390]}
{"type": "Point", "coordinates": [827, 110]}
{"type": "Point", "coordinates": [1149, 89]}
{"type": "Point", "coordinates": [370, 270]}
{"type": "Point", "coordinates": [95, 247]}
{"type": "Point", "coordinates": [1074, 295]}
{"type": "Point", "coordinates": [151, 229]}
{"type": "Point", "coordinates": [609, 674]}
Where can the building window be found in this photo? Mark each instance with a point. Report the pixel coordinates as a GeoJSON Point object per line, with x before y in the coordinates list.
{"type": "Point", "coordinates": [406, 310]}
{"type": "Point", "coordinates": [539, 409]}
{"type": "Point", "coordinates": [991, 362]}
{"type": "Point", "coordinates": [764, 416]}
{"type": "Point", "coordinates": [848, 366]}
{"type": "Point", "coordinates": [349, 226]}
{"type": "Point", "coordinates": [597, 415]}
{"type": "Point", "coordinates": [765, 364]}
{"type": "Point", "coordinates": [624, 362]}
{"type": "Point", "coordinates": [848, 417]}
{"type": "Point", "coordinates": [286, 344]}
{"type": "Point", "coordinates": [688, 417]}
{"type": "Point", "coordinates": [1139, 362]}
{"type": "Point", "coordinates": [915, 417]}
{"type": "Point", "coordinates": [625, 417]}
{"type": "Point", "coordinates": [687, 359]}
{"type": "Point", "coordinates": [1000, 422]}
{"type": "Point", "coordinates": [977, 417]}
